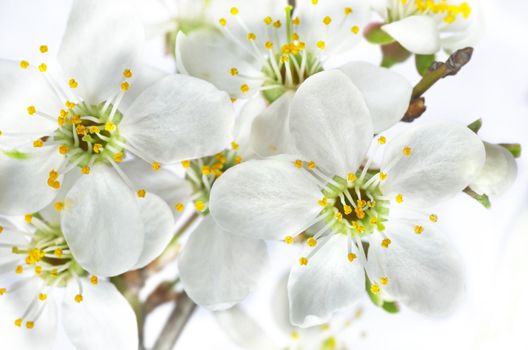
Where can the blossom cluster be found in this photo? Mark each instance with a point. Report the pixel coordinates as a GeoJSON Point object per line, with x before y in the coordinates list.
{"type": "Point", "coordinates": [263, 134]}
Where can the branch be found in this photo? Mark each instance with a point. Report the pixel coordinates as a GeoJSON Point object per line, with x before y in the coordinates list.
{"type": "Point", "coordinates": [437, 71]}
{"type": "Point", "coordinates": [179, 317]}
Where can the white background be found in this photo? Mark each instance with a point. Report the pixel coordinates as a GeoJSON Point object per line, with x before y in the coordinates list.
{"type": "Point", "coordinates": [494, 87]}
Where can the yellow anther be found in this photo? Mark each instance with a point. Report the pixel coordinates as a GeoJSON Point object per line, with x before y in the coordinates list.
{"type": "Point", "coordinates": [268, 20]}
{"type": "Point", "coordinates": [347, 209]}
{"type": "Point", "coordinates": [339, 216]}
{"type": "Point", "coordinates": [31, 110]}
{"type": "Point", "coordinates": [76, 119]}
{"type": "Point", "coordinates": [433, 218]}
{"type": "Point", "coordinates": [407, 151]}
{"type": "Point", "coordinates": [63, 149]}
{"type": "Point", "coordinates": [289, 240]}
{"type": "Point", "coordinates": [251, 36]}
{"type": "Point", "coordinates": [97, 148]}
{"type": "Point", "coordinates": [268, 45]}
{"type": "Point", "coordinates": [155, 166]}
{"type": "Point", "coordinates": [28, 218]}
{"type": "Point", "coordinates": [141, 193]}
{"type": "Point", "coordinates": [418, 229]}
{"type": "Point", "coordinates": [18, 322]}
{"type": "Point", "coordinates": [179, 207]}
{"type": "Point", "coordinates": [233, 99]}
{"type": "Point", "coordinates": [206, 170]}
{"type": "Point", "coordinates": [42, 296]}
{"type": "Point", "coordinates": [351, 257]}
{"type": "Point", "coordinates": [295, 37]}
{"type": "Point", "coordinates": [315, 2]}
{"type": "Point", "coordinates": [399, 198]}
{"type": "Point", "coordinates": [327, 20]}
{"type": "Point", "coordinates": [127, 73]}
{"type": "Point", "coordinates": [94, 129]}
{"type": "Point", "coordinates": [234, 145]}
{"type": "Point", "coordinates": [351, 177]}
{"type": "Point", "coordinates": [233, 71]}
{"type": "Point", "coordinates": [30, 324]}
{"type": "Point", "coordinates": [323, 202]}
{"type": "Point", "coordinates": [234, 11]}
{"type": "Point", "coordinates": [38, 270]}
{"type": "Point", "coordinates": [43, 67]}
{"type": "Point", "coordinates": [24, 64]}
{"type": "Point", "coordinates": [244, 88]}
{"type": "Point", "coordinates": [386, 243]}
{"type": "Point", "coordinates": [384, 281]}
{"type": "Point", "coordinates": [382, 140]}
{"type": "Point", "coordinates": [296, 21]}
{"type": "Point", "coordinates": [1, 229]}
{"type": "Point", "coordinates": [69, 104]}
{"type": "Point", "coordinates": [78, 298]}
{"type": "Point", "coordinates": [109, 126]}
{"type": "Point", "coordinates": [59, 206]}
{"type": "Point", "coordinates": [73, 83]}
{"type": "Point", "coordinates": [303, 261]}
{"type": "Point", "coordinates": [19, 269]}
{"type": "Point", "coordinates": [186, 164]}
{"type": "Point", "coordinates": [54, 273]}
{"type": "Point", "coordinates": [238, 159]}
{"type": "Point", "coordinates": [3, 291]}
{"type": "Point", "coordinates": [321, 44]}
{"type": "Point", "coordinates": [375, 289]}
{"type": "Point", "coordinates": [94, 280]}
{"type": "Point", "coordinates": [354, 29]}
{"type": "Point", "coordinates": [298, 164]}
{"type": "Point", "coordinates": [312, 242]}
{"type": "Point", "coordinates": [373, 220]}
{"type": "Point", "coordinates": [38, 143]}
{"type": "Point", "coordinates": [348, 11]}
{"type": "Point", "coordinates": [199, 205]}
{"type": "Point", "coordinates": [223, 22]}
{"type": "Point", "coordinates": [125, 86]}
{"type": "Point", "coordinates": [85, 170]}
{"type": "Point", "coordinates": [118, 157]}
{"type": "Point", "coordinates": [43, 48]}
{"type": "Point", "coordinates": [383, 176]}
{"type": "Point", "coordinates": [277, 24]}
{"type": "Point", "coordinates": [295, 335]}
{"type": "Point", "coordinates": [312, 165]}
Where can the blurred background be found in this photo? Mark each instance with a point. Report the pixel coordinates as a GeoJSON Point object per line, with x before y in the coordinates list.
{"type": "Point", "coordinates": [494, 242]}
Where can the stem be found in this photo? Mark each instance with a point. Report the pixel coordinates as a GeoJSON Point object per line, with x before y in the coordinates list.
{"type": "Point", "coordinates": [181, 314]}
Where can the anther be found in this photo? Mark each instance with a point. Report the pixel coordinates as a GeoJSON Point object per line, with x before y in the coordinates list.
{"type": "Point", "coordinates": [127, 73]}
{"type": "Point", "coordinates": [351, 257]}
{"type": "Point", "coordinates": [327, 20]}
{"type": "Point", "coordinates": [85, 170]}
{"type": "Point", "coordinates": [125, 86]}
{"type": "Point", "coordinates": [42, 297]}
{"type": "Point", "coordinates": [384, 281]}
{"type": "Point", "coordinates": [407, 151]}
{"type": "Point", "coordinates": [94, 280]}
{"type": "Point", "coordinates": [43, 67]}
{"type": "Point", "coordinates": [382, 140]}
{"type": "Point", "coordinates": [155, 166]}
{"type": "Point", "coordinates": [223, 22]}
{"type": "Point", "coordinates": [31, 110]}
{"type": "Point", "coordinates": [233, 71]}
{"type": "Point", "coordinates": [28, 218]}
{"type": "Point", "coordinates": [312, 165]}
{"type": "Point", "coordinates": [43, 48]}
{"type": "Point", "coordinates": [418, 229]}
{"type": "Point", "coordinates": [199, 205]}
{"type": "Point", "coordinates": [141, 193]}
{"type": "Point", "coordinates": [399, 198]}
{"type": "Point", "coordinates": [321, 44]}
{"type": "Point", "coordinates": [289, 240]}
{"type": "Point", "coordinates": [59, 206]}
{"type": "Point", "coordinates": [298, 164]}
{"type": "Point", "coordinates": [234, 146]}
{"type": "Point", "coordinates": [24, 64]}
{"type": "Point", "coordinates": [433, 218]}
{"type": "Point", "coordinates": [78, 298]}
{"type": "Point", "coordinates": [234, 11]}
{"type": "Point", "coordinates": [354, 29]}
{"type": "Point", "coordinates": [63, 149]}
{"type": "Point", "coordinates": [303, 261]}
{"type": "Point", "coordinates": [72, 83]}
{"type": "Point", "coordinates": [386, 243]}
{"type": "Point", "coordinates": [244, 88]}
{"type": "Point", "coordinates": [375, 289]}
{"type": "Point", "coordinates": [312, 242]}
{"type": "Point", "coordinates": [323, 202]}
{"type": "Point", "coordinates": [118, 157]}
{"type": "Point", "coordinates": [348, 11]}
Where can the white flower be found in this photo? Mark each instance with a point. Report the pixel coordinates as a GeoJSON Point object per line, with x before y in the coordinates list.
{"type": "Point", "coordinates": [91, 120]}
{"type": "Point", "coordinates": [41, 282]}
{"type": "Point", "coordinates": [499, 171]}
{"type": "Point", "coordinates": [344, 204]}
{"type": "Point", "coordinates": [426, 26]}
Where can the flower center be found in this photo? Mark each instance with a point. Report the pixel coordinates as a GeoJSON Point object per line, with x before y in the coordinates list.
{"type": "Point", "coordinates": [439, 9]}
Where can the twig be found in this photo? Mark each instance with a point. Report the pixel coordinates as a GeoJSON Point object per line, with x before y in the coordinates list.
{"type": "Point", "coordinates": [179, 317]}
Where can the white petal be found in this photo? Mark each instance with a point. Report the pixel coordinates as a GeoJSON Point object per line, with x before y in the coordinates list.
{"type": "Point", "coordinates": [179, 118]}
{"type": "Point", "coordinates": [102, 38]}
{"type": "Point", "coordinates": [446, 157]}
{"type": "Point", "coordinates": [194, 50]}
{"type": "Point", "coordinates": [270, 134]}
{"type": "Point", "coordinates": [244, 123]}
{"type": "Point", "coordinates": [12, 306]}
{"type": "Point", "coordinates": [21, 89]}
{"type": "Point", "coordinates": [102, 224]}
{"type": "Point", "coordinates": [168, 185]}
{"type": "Point", "coordinates": [418, 34]}
{"type": "Point", "coordinates": [218, 269]}
{"type": "Point", "coordinates": [499, 171]}
{"type": "Point", "coordinates": [141, 80]}
{"type": "Point", "coordinates": [158, 222]}
{"type": "Point", "coordinates": [49, 213]}
{"type": "Point", "coordinates": [266, 199]}
{"type": "Point", "coordinates": [387, 93]}
{"type": "Point", "coordinates": [330, 122]}
{"type": "Point", "coordinates": [329, 283]}
{"type": "Point", "coordinates": [103, 320]}
{"type": "Point", "coordinates": [25, 181]}
{"type": "Point", "coordinates": [424, 271]}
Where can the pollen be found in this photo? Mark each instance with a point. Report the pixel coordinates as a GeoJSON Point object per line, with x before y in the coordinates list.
{"type": "Point", "coordinates": [303, 261]}
{"type": "Point", "coordinates": [251, 36]}
{"type": "Point", "coordinates": [63, 149]}
{"type": "Point", "coordinates": [384, 280]}
{"type": "Point", "coordinates": [268, 20]}
{"type": "Point", "coordinates": [223, 22]}
{"type": "Point", "coordinates": [351, 177]}
{"type": "Point", "coordinates": [382, 140]}
{"type": "Point", "coordinates": [186, 164]}
{"type": "Point", "coordinates": [386, 243]}
{"type": "Point", "coordinates": [418, 229]}
{"type": "Point", "coordinates": [234, 145]}
{"type": "Point", "coordinates": [321, 44]}
{"type": "Point", "coordinates": [109, 126]}
{"type": "Point", "coordinates": [38, 143]}
{"type": "Point", "coordinates": [73, 83]}
{"type": "Point", "coordinates": [118, 157]}
{"type": "Point", "coordinates": [407, 151]}
{"type": "Point", "coordinates": [155, 166]}
{"type": "Point", "coordinates": [268, 45]}
{"type": "Point", "coordinates": [312, 242]}
{"type": "Point", "coordinates": [244, 88]}
{"type": "Point", "coordinates": [375, 289]}
{"type": "Point", "coordinates": [19, 270]}
{"type": "Point", "coordinates": [97, 148]}
{"type": "Point", "coordinates": [277, 24]}
{"type": "Point", "coordinates": [327, 20]}
{"type": "Point", "coordinates": [348, 11]}
{"type": "Point", "coordinates": [69, 104]}
{"type": "Point", "coordinates": [141, 193]}
{"type": "Point", "coordinates": [127, 73]}
{"type": "Point", "coordinates": [199, 205]}
{"type": "Point", "coordinates": [38, 270]}
{"type": "Point", "coordinates": [296, 21]}
{"type": "Point", "coordinates": [43, 48]}
{"type": "Point", "coordinates": [179, 207]}
{"type": "Point", "coordinates": [28, 218]}
{"type": "Point", "coordinates": [351, 257]}
{"type": "Point", "coordinates": [30, 324]}
{"type": "Point", "coordinates": [339, 216]}
{"type": "Point", "coordinates": [59, 206]}
{"type": "Point", "coordinates": [323, 202]}
{"type": "Point", "coordinates": [94, 280]}
{"type": "Point", "coordinates": [433, 218]}
{"type": "Point", "coordinates": [125, 86]}
{"type": "Point", "coordinates": [354, 29]}
{"type": "Point", "coordinates": [383, 176]}
{"type": "Point", "coordinates": [42, 297]}
{"type": "Point", "coordinates": [399, 198]}
{"type": "Point", "coordinates": [233, 71]}
{"type": "Point", "coordinates": [31, 110]}
{"type": "Point", "coordinates": [24, 64]}
{"type": "Point", "coordinates": [347, 209]}
{"type": "Point", "coordinates": [289, 240]}
{"type": "Point", "coordinates": [298, 164]}
{"type": "Point", "coordinates": [18, 322]}
{"type": "Point", "coordinates": [85, 170]}
{"type": "Point", "coordinates": [78, 298]}
{"type": "Point", "coordinates": [43, 67]}
{"type": "Point", "coordinates": [58, 253]}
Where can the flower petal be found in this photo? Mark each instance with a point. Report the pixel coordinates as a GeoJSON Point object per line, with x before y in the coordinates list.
{"type": "Point", "coordinates": [102, 224]}
{"type": "Point", "coordinates": [24, 178]}
{"type": "Point", "coordinates": [424, 271]}
{"type": "Point", "coordinates": [244, 123]}
{"type": "Point", "coordinates": [158, 222]}
{"type": "Point", "coordinates": [103, 320]}
{"type": "Point", "coordinates": [266, 199]}
{"type": "Point", "coordinates": [418, 34]}
{"type": "Point", "coordinates": [179, 118]}
{"type": "Point", "coordinates": [499, 171]}
{"type": "Point", "coordinates": [387, 93]}
{"type": "Point", "coordinates": [193, 52]}
{"type": "Point", "coordinates": [218, 269]}
{"type": "Point", "coordinates": [142, 79]}
{"type": "Point", "coordinates": [101, 40]}
{"type": "Point", "coordinates": [329, 283]}
{"type": "Point", "coordinates": [445, 158]}
{"type": "Point", "coordinates": [330, 122]}
{"type": "Point", "coordinates": [12, 306]}
{"type": "Point", "coordinates": [270, 133]}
